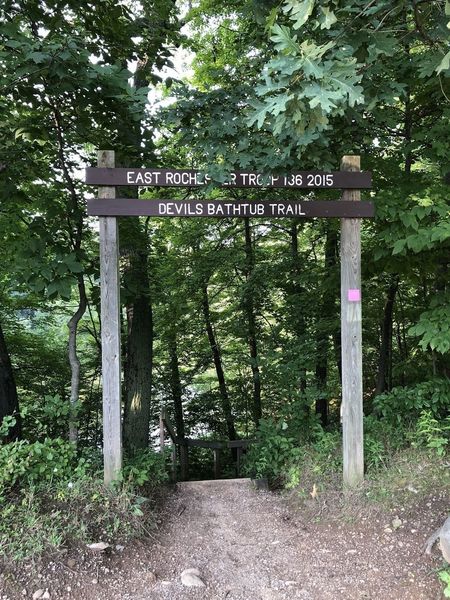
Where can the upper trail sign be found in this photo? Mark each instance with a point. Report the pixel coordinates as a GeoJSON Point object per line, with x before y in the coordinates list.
{"type": "Point", "coordinates": [237, 179]}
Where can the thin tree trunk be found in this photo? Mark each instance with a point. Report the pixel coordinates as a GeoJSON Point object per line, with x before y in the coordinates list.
{"type": "Point", "coordinates": [327, 312]}
{"type": "Point", "coordinates": [75, 222]}
{"type": "Point", "coordinates": [385, 357]}
{"type": "Point", "coordinates": [74, 360]}
{"type": "Point", "coordinates": [297, 289]}
{"type": "Point", "coordinates": [225, 399]}
{"type": "Point", "coordinates": [9, 402]}
{"type": "Point", "coordinates": [249, 310]}
{"type": "Point", "coordinates": [177, 397]}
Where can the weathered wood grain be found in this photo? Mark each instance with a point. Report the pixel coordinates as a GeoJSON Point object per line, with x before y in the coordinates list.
{"type": "Point", "coordinates": [110, 322]}
{"type": "Point", "coordinates": [351, 338]}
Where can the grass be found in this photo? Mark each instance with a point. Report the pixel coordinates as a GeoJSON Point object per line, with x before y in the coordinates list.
{"type": "Point", "coordinates": [37, 521]}
{"type": "Point", "coordinates": [402, 479]}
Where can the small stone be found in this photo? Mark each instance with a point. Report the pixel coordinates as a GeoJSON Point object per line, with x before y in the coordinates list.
{"type": "Point", "coordinates": [396, 522]}
{"type": "Point", "coordinates": [38, 594]}
{"type": "Point", "coordinates": [388, 530]}
{"type": "Point", "coordinates": [120, 548]}
{"type": "Point", "coordinates": [71, 562]}
{"type": "Point", "coordinates": [192, 578]}
{"type": "Point", "coordinates": [24, 592]}
{"type": "Point", "coordinates": [352, 551]}
{"type": "Point", "coordinates": [99, 546]}
{"type": "Point", "coordinates": [95, 581]}
{"type": "Point", "coordinates": [151, 578]}
{"type": "Point", "coordinates": [46, 595]}
{"type": "Point", "coordinates": [69, 588]}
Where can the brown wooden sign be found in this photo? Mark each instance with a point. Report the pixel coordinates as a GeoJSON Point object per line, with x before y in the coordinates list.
{"type": "Point", "coordinates": [237, 179]}
{"type": "Point", "coordinates": [213, 208]}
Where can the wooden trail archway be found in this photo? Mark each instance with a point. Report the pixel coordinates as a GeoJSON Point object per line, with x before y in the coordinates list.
{"type": "Point", "coordinates": [349, 209]}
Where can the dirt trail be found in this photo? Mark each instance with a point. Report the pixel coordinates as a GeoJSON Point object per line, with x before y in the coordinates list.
{"type": "Point", "coordinates": [248, 545]}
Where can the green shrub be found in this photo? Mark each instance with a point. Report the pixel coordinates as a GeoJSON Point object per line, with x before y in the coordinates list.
{"type": "Point", "coordinates": [431, 433]}
{"type": "Point", "coordinates": [403, 405]}
{"type": "Point", "coordinates": [25, 463]}
{"type": "Point", "coordinates": [273, 451]}
{"type": "Point", "coordinates": [145, 467]}
{"type": "Point", "coordinates": [6, 425]}
{"type": "Point", "coordinates": [47, 417]}
{"type": "Point", "coordinates": [444, 576]}
{"type": "Point", "coordinates": [326, 451]}
{"type": "Point", "coordinates": [381, 440]}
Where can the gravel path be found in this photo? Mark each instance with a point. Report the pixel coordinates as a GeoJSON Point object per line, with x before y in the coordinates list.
{"type": "Point", "coordinates": [248, 545]}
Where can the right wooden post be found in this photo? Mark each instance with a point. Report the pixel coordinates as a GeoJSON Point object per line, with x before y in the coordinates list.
{"type": "Point", "coordinates": [351, 339]}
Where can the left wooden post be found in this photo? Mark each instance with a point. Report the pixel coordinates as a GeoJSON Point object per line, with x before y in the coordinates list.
{"type": "Point", "coordinates": [110, 322]}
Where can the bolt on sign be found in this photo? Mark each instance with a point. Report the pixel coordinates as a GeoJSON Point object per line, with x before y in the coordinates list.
{"type": "Point", "coordinates": [349, 208]}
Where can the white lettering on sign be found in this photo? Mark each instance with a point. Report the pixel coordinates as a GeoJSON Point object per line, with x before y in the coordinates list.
{"type": "Point", "coordinates": [149, 177]}
{"type": "Point", "coordinates": [143, 178]}
{"type": "Point", "coordinates": [231, 209]}
{"type": "Point", "coordinates": [319, 179]}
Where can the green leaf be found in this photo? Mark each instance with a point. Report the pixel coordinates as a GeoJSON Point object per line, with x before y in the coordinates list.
{"type": "Point", "coordinates": [329, 18]}
{"type": "Point", "coordinates": [398, 246]}
{"type": "Point", "coordinates": [283, 40]}
{"type": "Point", "coordinates": [444, 65]}
{"type": "Point", "coordinates": [321, 96]}
{"type": "Point", "coordinates": [300, 11]}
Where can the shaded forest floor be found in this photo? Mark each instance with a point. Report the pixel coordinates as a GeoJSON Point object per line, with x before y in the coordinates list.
{"type": "Point", "coordinates": [254, 545]}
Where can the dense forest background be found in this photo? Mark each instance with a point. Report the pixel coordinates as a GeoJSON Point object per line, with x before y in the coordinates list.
{"type": "Point", "coordinates": [233, 324]}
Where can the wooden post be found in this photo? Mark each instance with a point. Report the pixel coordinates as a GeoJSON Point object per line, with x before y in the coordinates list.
{"type": "Point", "coordinates": [110, 322]}
{"type": "Point", "coordinates": [216, 463]}
{"type": "Point", "coordinates": [238, 461]}
{"type": "Point", "coordinates": [184, 460]}
{"type": "Point", "coordinates": [174, 463]}
{"type": "Point", "coordinates": [161, 433]}
{"type": "Point", "coordinates": [351, 337]}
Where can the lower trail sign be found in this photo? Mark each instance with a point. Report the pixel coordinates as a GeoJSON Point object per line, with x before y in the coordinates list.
{"type": "Point", "coordinates": [349, 208]}
{"type": "Point", "coordinates": [119, 207]}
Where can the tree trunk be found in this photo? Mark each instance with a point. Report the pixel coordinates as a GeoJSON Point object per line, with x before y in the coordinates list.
{"type": "Point", "coordinates": [297, 289]}
{"type": "Point", "coordinates": [385, 358]}
{"type": "Point", "coordinates": [177, 397]}
{"type": "Point", "coordinates": [75, 219]}
{"type": "Point", "coordinates": [138, 365]}
{"type": "Point", "coordinates": [74, 360]}
{"type": "Point", "coordinates": [9, 402]}
{"type": "Point", "coordinates": [328, 312]}
{"type": "Point", "coordinates": [249, 310]}
{"type": "Point", "coordinates": [226, 404]}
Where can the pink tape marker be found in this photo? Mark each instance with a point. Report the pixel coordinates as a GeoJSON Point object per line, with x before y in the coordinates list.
{"type": "Point", "coordinates": [354, 295]}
